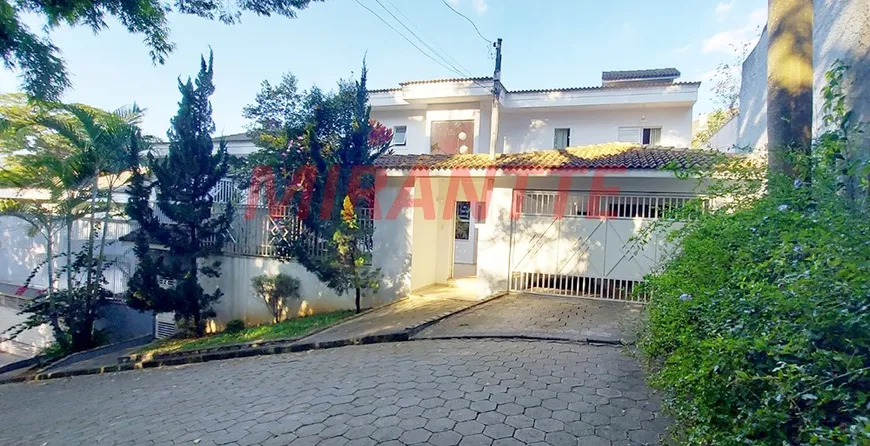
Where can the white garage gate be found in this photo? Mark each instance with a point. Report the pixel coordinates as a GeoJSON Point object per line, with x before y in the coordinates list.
{"type": "Point", "coordinates": [583, 244]}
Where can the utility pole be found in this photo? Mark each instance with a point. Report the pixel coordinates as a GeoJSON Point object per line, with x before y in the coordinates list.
{"type": "Point", "coordinates": [789, 86]}
{"type": "Point", "coordinates": [496, 92]}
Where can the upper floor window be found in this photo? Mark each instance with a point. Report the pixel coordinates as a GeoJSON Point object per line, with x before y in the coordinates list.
{"type": "Point", "coordinates": [641, 135]}
{"type": "Point", "coordinates": [562, 139]}
{"type": "Point", "coordinates": [452, 137]}
{"type": "Point", "coordinates": [400, 135]}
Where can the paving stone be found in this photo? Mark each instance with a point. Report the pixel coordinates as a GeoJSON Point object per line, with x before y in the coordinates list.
{"type": "Point", "coordinates": [387, 433]}
{"type": "Point", "coordinates": [593, 440]}
{"type": "Point", "coordinates": [529, 435]}
{"type": "Point", "coordinates": [415, 436]}
{"type": "Point", "coordinates": [352, 395]}
{"type": "Point", "coordinates": [440, 424]}
{"type": "Point", "coordinates": [476, 440]}
{"type": "Point", "coordinates": [469, 427]}
{"type": "Point", "coordinates": [496, 431]}
{"type": "Point", "coordinates": [448, 438]}
{"type": "Point", "coordinates": [561, 438]}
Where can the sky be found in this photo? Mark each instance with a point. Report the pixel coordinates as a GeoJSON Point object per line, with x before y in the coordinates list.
{"type": "Point", "coordinates": [547, 44]}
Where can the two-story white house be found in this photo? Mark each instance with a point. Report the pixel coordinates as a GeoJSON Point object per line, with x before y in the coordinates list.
{"type": "Point", "coordinates": [535, 191]}
{"type": "Point", "coordinates": [641, 107]}
{"type": "Point", "coordinates": [541, 194]}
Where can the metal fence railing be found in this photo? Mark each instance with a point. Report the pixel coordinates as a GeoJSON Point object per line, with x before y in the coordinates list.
{"type": "Point", "coordinates": [585, 204]}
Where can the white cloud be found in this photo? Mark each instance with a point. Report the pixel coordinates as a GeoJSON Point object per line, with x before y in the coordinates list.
{"type": "Point", "coordinates": [480, 6]}
{"type": "Point", "coordinates": [681, 49]}
{"type": "Point", "coordinates": [453, 2]}
{"type": "Point", "coordinates": [732, 40]}
{"type": "Point", "coordinates": [724, 8]}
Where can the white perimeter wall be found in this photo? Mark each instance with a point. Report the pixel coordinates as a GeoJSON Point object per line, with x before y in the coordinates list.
{"type": "Point", "coordinates": [392, 254]}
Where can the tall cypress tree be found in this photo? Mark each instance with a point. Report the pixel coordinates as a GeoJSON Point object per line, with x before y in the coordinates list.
{"type": "Point", "coordinates": [197, 227]}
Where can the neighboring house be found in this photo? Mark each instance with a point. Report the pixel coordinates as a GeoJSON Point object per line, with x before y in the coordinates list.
{"type": "Point", "coordinates": [545, 200]}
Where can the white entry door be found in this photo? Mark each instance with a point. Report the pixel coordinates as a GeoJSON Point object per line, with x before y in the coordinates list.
{"type": "Point", "coordinates": [463, 234]}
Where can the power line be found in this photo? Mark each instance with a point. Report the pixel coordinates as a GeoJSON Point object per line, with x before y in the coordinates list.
{"type": "Point", "coordinates": [448, 66]}
{"type": "Point", "coordinates": [443, 55]}
{"type": "Point", "coordinates": [488, 41]}
{"type": "Point", "coordinates": [407, 39]}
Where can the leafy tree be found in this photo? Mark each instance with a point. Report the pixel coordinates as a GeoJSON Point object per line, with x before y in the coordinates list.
{"type": "Point", "coordinates": [726, 96]}
{"type": "Point", "coordinates": [183, 181]}
{"type": "Point", "coordinates": [74, 156]}
{"type": "Point", "coordinates": [43, 70]}
{"type": "Point", "coordinates": [324, 170]}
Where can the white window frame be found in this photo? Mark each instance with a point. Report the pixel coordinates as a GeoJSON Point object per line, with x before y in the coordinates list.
{"type": "Point", "coordinates": [556, 137]}
{"type": "Point", "coordinates": [640, 131]}
{"type": "Point", "coordinates": [404, 134]}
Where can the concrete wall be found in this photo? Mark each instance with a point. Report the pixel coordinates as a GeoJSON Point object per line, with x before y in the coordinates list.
{"type": "Point", "coordinates": [726, 138]}
{"type": "Point", "coordinates": [528, 130]}
{"type": "Point", "coordinates": [393, 237]}
{"type": "Point", "coordinates": [29, 342]}
{"type": "Point", "coordinates": [752, 120]}
{"type": "Point", "coordinates": [20, 253]}
{"type": "Point", "coordinates": [841, 30]}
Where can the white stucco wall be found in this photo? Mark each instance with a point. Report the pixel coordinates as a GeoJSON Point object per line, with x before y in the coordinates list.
{"type": "Point", "coordinates": [523, 131]}
{"type": "Point", "coordinates": [392, 254]}
{"type": "Point", "coordinates": [419, 123]}
{"type": "Point", "coordinates": [526, 129]}
{"type": "Point", "coordinates": [752, 120]}
{"type": "Point", "coordinates": [29, 341]}
{"type": "Point", "coordinates": [20, 253]}
{"type": "Point", "coordinates": [841, 30]}
{"type": "Point", "coordinates": [726, 138]}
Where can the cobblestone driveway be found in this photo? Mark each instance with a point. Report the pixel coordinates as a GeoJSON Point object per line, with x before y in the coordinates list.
{"type": "Point", "coordinates": [468, 392]}
{"type": "Point", "coordinates": [568, 318]}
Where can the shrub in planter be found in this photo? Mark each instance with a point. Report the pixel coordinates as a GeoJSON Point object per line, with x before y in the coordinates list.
{"type": "Point", "coordinates": [277, 292]}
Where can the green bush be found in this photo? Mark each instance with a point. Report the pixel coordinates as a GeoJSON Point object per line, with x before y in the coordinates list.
{"type": "Point", "coordinates": [235, 326]}
{"type": "Point", "coordinates": [759, 328]}
{"type": "Point", "coordinates": [278, 292]}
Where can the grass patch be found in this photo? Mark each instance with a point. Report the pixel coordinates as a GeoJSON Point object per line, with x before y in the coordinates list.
{"type": "Point", "coordinates": [287, 329]}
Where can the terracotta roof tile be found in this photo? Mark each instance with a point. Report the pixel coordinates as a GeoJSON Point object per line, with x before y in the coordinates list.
{"type": "Point", "coordinates": [604, 156]}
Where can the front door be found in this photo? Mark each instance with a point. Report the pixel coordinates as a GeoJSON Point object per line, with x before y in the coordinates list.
{"type": "Point", "coordinates": [463, 234]}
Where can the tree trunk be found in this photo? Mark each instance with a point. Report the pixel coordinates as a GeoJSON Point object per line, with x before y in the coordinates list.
{"type": "Point", "coordinates": [52, 305]}
{"type": "Point", "coordinates": [358, 294]}
{"type": "Point", "coordinates": [101, 252]}
{"type": "Point", "coordinates": [790, 87]}
{"type": "Point", "coordinates": [198, 325]}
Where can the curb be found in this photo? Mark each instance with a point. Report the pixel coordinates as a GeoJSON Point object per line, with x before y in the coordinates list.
{"type": "Point", "coordinates": [299, 346]}
{"type": "Point", "coordinates": [525, 337]}
{"type": "Point", "coordinates": [98, 351]}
